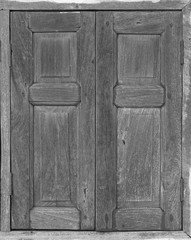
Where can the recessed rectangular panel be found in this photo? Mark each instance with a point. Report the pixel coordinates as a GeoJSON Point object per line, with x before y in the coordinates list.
{"type": "Point", "coordinates": [138, 157]}
{"type": "Point", "coordinates": [138, 57]}
{"type": "Point", "coordinates": [55, 143]}
{"type": "Point", "coordinates": [55, 57]}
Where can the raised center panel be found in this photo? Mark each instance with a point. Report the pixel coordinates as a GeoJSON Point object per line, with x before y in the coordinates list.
{"type": "Point", "coordinates": [138, 59]}
{"type": "Point", "coordinates": [56, 57]}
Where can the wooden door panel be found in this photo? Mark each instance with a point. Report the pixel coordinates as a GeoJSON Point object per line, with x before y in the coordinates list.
{"type": "Point", "coordinates": [55, 147]}
{"type": "Point", "coordinates": [138, 162]}
{"type": "Point", "coordinates": [138, 142]}
{"type": "Point", "coordinates": [53, 118]}
{"type": "Point", "coordinates": [138, 57]}
{"type": "Point", "coordinates": [55, 57]}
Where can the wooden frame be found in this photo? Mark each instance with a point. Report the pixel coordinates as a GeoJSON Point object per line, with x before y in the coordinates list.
{"type": "Point", "coordinates": [93, 4]}
{"type": "Point", "coordinates": [5, 7]}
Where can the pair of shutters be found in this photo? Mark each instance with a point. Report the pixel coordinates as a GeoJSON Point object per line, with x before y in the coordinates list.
{"type": "Point", "coordinates": [96, 120]}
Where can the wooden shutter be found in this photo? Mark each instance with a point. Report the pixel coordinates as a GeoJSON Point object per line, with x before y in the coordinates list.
{"type": "Point", "coordinates": [53, 120]}
{"type": "Point", "coordinates": [138, 121]}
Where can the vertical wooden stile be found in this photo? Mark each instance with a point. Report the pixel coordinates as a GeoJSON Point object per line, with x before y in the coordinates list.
{"type": "Point", "coordinates": [5, 120]}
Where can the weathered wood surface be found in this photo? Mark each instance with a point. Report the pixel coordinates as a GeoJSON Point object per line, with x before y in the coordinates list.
{"type": "Point", "coordinates": [86, 123]}
{"type": "Point", "coordinates": [105, 123]}
{"type": "Point", "coordinates": [138, 161]}
{"type": "Point", "coordinates": [51, 22]}
{"type": "Point", "coordinates": [143, 58]}
{"type": "Point", "coordinates": [136, 219]}
{"type": "Point", "coordinates": [171, 121]}
{"type": "Point", "coordinates": [186, 118]}
{"type": "Point", "coordinates": [55, 160]}
{"type": "Point", "coordinates": [168, 194]}
{"type": "Point", "coordinates": [148, 96]}
{"type": "Point", "coordinates": [93, 4]}
{"type": "Point", "coordinates": [5, 120]}
{"type": "Point", "coordinates": [55, 218]}
{"type": "Point", "coordinates": [46, 133]}
{"type": "Point", "coordinates": [137, 22]}
{"type": "Point", "coordinates": [21, 79]}
{"type": "Point", "coordinates": [55, 57]}
{"type": "Point", "coordinates": [34, 235]}
{"type": "Point", "coordinates": [52, 93]}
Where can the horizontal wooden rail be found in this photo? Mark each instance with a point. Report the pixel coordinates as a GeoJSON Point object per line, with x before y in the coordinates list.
{"type": "Point", "coordinates": [51, 93]}
{"type": "Point", "coordinates": [54, 218]}
{"type": "Point", "coordinates": [143, 96]}
{"type": "Point", "coordinates": [51, 22]}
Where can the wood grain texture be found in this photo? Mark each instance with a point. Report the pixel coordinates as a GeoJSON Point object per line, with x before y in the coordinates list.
{"type": "Point", "coordinates": [54, 218]}
{"type": "Point", "coordinates": [5, 121]}
{"type": "Point", "coordinates": [86, 122]}
{"type": "Point", "coordinates": [171, 122]}
{"type": "Point", "coordinates": [91, 235]}
{"type": "Point", "coordinates": [55, 133]}
{"type": "Point", "coordinates": [132, 96]}
{"type": "Point", "coordinates": [94, 5]}
{"type": "Point", "coordinates": [138, 162]}
{"type": "Point", "coordinates": [105, 123]}
{"type": "Point", "coordinates": [186, 117]}
{"type": "Point", "coordinates": [55, 57]}
{"type": "Point", "coordinates": [139, 22]}
{"type": "Point", "coordinates": [52, 93]}
{"type": "Point", "coordinates": [139, 219]}
{"type": "Point", "coordinates": [138, 57]}
{"type": "Point", "coordinates": [72, 164]}
{"type": "Point", "coordinates": [51, 22]}
{"type": "Point", "coordinates": [21, 79]}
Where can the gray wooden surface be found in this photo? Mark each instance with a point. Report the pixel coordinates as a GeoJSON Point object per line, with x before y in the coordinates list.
{"type": "Point", "coordinates": [94, 5]}
{"type": "Point", "coordinates": [5, 120]}
{"type": "Point", "coordinates": [176, 235]}
{"type": "Point", "coordinates": [53, 140]}
{"type": "Point", "coordinates": [186, 120]}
